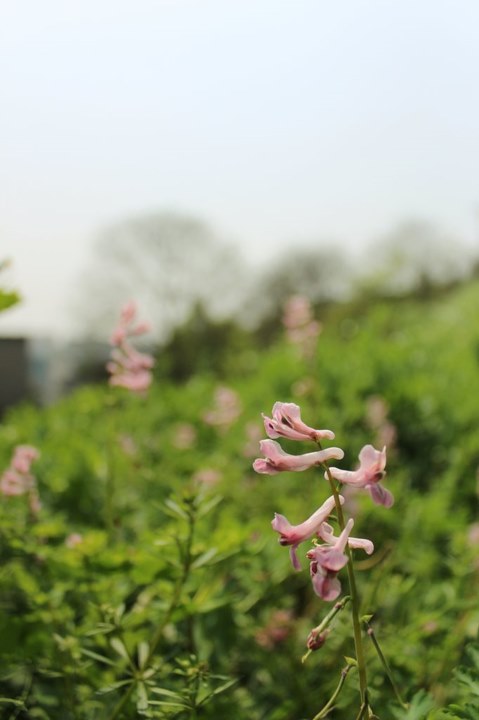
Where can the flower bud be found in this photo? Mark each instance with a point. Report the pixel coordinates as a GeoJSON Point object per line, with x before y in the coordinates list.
{"type": "Point", "coordinates": [316, 640]}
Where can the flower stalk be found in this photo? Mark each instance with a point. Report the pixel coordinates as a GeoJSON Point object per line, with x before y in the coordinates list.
{"type": "Point", "coordinates": [384, 663]}
{"type": "Point", "coordinates": [316, 632]}
{"type": "Point", "coordinates": [330, 704]}
{"type": "Point", "coordinates": [355, 604]}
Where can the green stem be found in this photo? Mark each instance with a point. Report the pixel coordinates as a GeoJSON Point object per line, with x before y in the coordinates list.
{"type": "Point", "coordinates": [385, 664]}
{"type": "Point", "coordinates": [111, 404]}
{"type": "Point", "coordinates": [355, 609]}
{"type": "Point", "coordinates": [362, 711]}
{"type": "Point", "coordinates": [340, 605]}
{"type": "Point", "coordinates": [324, 711]}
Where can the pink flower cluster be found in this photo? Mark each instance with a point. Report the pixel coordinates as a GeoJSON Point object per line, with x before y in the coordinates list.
{"type": "Point", "coordinates": [17, 478]}
{"type": "Point", "coordinates": [226, 409]}
{"type": "Point", "coordinates": [326, 558]}
{"type": "Point", "coordinates": [128, 367]}
{"type": "Point", "coordinates": [301, 328]}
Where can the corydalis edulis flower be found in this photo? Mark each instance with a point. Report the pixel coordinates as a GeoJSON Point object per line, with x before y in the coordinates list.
{"type": "Point", "coordinates": [368, 476]}
{"type": "Point", "coordinates": [293, 535]}
{"type": "Point", "coordinates": [17, 480]}
{"type": "Point", "coordinates": [286, 422]}
{"type": "Point", "coordinates": [277, 460]}
{"type": "Point", "coordinates": [128, 367]}
{"type": "Point", "coordinates": [329, 558]}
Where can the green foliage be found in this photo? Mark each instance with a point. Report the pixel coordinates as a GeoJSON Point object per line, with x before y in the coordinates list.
{"type": "Point", "coordinates": [178, 602]}
{"type": "Point", "coordinates": [8, 299]}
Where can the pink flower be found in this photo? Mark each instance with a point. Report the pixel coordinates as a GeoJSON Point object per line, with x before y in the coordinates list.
{"type": "Point", "coordinates": [126, 327]}
{"type": "Point", "coordinates": [184, 437]}
{"type": "Point", "coordinates": [295, 534]}
{"type": "Point", "coordinates": [301, 329]}
{"type": "Point", "coordinates": [14, 483]}
{"type": "Point", "coordinates": [17, 480]}
{"type": "Point", "coordinates": [23, 457]}
{"type": "Point", "coordinates": [276, 460]}
{"type": "Point", "coordinates": [328, 559]}
{"type": "Point", "coordinates": [227, 408]}
{"type": "Point", "coordinates": [326, 534]}
{"type": "Point", "coordinates": [369, 474]}
{"type": "Point", "coordinates": [286, 422]}
{"type": "Point", "coordinates": [128, 367]}
{"type": "Point", "coordinates": [73, 540]}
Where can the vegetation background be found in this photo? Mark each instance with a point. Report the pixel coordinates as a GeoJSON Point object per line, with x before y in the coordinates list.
{"type": "Point", "coordinates": [151, 584]}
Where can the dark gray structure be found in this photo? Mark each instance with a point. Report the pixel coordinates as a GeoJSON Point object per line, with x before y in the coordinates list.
{"type": "Point", "coordinates": [14, 372]}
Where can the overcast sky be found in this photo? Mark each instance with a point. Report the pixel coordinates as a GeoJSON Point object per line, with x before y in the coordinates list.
{"type": "Point", "coordinates": [274, 120]}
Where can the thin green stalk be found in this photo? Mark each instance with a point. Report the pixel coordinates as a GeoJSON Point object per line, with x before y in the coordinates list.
{"type": "Point", "coordinates": [329, 705]}
{"type": "Point", "coordinates": [362, 711]}
{"type": "Point", "coordinates": [324, 624]}
{"type": "Point", "coordinates": [355, 609]}
{"type": "Point", "coordinates": [385, 664]}
{"type": "Point", "coordinates": [110, 484]}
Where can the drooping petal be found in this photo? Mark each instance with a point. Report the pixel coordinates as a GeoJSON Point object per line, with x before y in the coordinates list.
{"type": "Point", "coordinates": [326, 585]}
{"type": "Point", "coordinates": [294, 557]}
{"type": "Point", "coordinates": [380, 495]}
{"type": "Point", "coordinates": [369, 475]}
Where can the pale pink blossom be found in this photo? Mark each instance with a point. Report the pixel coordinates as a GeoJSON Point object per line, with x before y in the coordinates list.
{"type": "Point", "coordinates": [207, 476]}
{"type": "Point", "coordinates": [329, 558]}
{"type": "Point", "coordinates": [369, 475]}
{"type": "Point", "coordinates": [184, 437]}
{"type": "Point", "coordinates": [253, 435]}
{"type": "Point", "coordinates": [17, 479]}
{"type": "Point", "coordinates": [128, 367]}
{"type": "Point", "coordinates": [293, 535]}
{"type": "Point", "coordinates": [326, 534]}
{"type": "Point", "coordinates": [301, 329]}
{"type": "Point", "coordinates": [286, 422]}
{"type": "Point", "coordinates": [73, 540]}
{"type": "Point", "coordinates": [226, 409]}
{"type": "Point", "coordinates": [126, 327]}
{"type": "Point", "coordinates": [277, 460]}
{"type": "Point", "coordinates": [276, 630]}
{"type": "Point", "coordinates": [377, 416]}
{"type": "Point", "coordinates": [14, 483]}
{"type": "Point", "coordinates": [23, 457]}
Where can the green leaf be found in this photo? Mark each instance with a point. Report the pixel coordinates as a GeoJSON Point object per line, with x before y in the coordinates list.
{"type": "Point", "coordinates": [204, 558]}
{"type": "Point", "coordinates": [8, 299]}
{"type": "Point", "coordinates": [96, 656]}
{"type": "Point", "coordinates": [119, 647]}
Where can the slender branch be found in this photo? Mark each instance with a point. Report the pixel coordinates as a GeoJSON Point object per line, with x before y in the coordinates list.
{"type": "Point", "coordinates": [362, 711]}
{"type": "Point", "coordinates": [329, 705]}
{"type": "Point", "coordinates": [340, 605]}
{"type": "Point", "coordinates": [385, 664]}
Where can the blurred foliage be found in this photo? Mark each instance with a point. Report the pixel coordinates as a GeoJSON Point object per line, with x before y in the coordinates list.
{"type": "Point", "coordinates": [8, 298]}
{"type": "Point", "coordinates": [177, 601]}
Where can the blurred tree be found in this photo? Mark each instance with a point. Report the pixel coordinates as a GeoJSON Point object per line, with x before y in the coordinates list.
{"type": "Point", "coordinates": [167, 262]}
{"type": "Point", "coordinates": [321, 275]}
{"type": "Point", "coordinates": [203, 345]}
{"type": "Point", "coordinates": [416, 257]}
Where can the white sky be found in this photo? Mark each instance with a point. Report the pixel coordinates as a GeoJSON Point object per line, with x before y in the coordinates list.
{"type": "Point", "coordinates": [274, 120]}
